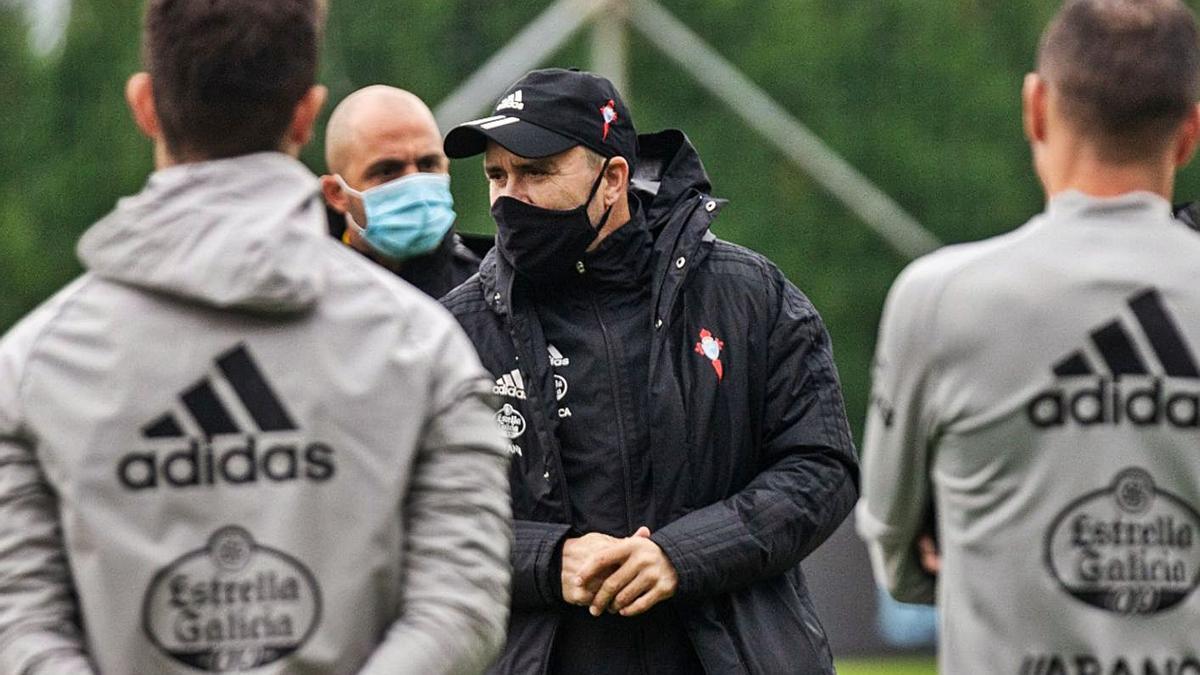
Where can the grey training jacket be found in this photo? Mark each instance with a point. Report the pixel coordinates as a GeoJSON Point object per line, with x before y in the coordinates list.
{"type": "Point", "coordinates": [235, 445]}
{"type": "Point", "coordinates": [1039, 395]}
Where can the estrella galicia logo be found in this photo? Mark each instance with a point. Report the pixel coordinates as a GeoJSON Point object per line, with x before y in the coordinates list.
{"type": "Point", "coordinates": [512, 426]}
{"type": "Point", "coordinates": [232, 605]}
{"type": "Point", "coordinates": [1128, 388]}
{"type": "Point", "coordinates": [511, 422]}
{"type": "Point", "coordinates": [1129, 548]}
{"type": "Point", "coordinates": [218, 451]}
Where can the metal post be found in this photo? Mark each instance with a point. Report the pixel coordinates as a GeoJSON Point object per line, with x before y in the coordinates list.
{"type": "Point", "coordinates": [526, 51]}
{"type": "Point", "coordinates": [899, 229]}
{"type": "Point", "coordinates": [610, 47]}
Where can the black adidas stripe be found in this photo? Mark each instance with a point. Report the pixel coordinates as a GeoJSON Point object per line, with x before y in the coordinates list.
{"type": "Point", "coordinates": [254, 391]}
{"type": "Point", "coordinates": [1122, 356]}
{"type": "Point", "coordinates": [1163, 334]}
{"type": "Point", "coordinates": [163, 427]}
{"type": "Point", "coordinates": [208, 411]}
{"type": "Point", "coordinates": [1117, 350]}
{"type": "Point", "coordinates": [1075, 364]}
{"type": "Point", "coordinates": [205, 406]}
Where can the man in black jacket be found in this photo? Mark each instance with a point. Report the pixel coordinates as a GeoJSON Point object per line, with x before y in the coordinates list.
{"type": "Point", "coordinates": [675, 421]}
{"type": "Point", "coordinates": [382, 146]}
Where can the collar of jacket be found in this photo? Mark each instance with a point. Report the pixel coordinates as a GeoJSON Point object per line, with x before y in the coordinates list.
{"type": "Point", "coordinates": [668, 169]}
{"type": "Point", "coordinates": [434, 268]}
{"type": "Point", "coordinates": [621, 261]}
{"type": "Point", "coordinates": [623, 258]}
{"type": "Point", "coordinates": [244, 232]}
{"type": "Point", "coordinates": [672, 188]}
{"type": "Point", "coordinates": [671, 182]}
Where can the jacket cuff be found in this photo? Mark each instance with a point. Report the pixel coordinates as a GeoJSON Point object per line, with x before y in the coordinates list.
{"type": "Point", "coordinates": [685, 578]}
{"type": "Point", "coordinates": [52, 650]}
{"type": "Point", "coordinates": [537, 554]}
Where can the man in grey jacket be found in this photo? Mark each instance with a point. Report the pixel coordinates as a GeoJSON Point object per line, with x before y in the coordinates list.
{"type": "Point", "coordinates": [233, 443]}
{"type": "Point", "coordinates": [1037, 395]}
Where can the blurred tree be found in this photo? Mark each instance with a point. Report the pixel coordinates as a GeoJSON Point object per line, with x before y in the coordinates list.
{"type": "Point", "coordinates": [922, 97]}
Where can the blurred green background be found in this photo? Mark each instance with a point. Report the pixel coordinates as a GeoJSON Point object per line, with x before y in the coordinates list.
{"type": "Point", "coordinates": [921, 96]}
{"type": "Point", "coordinates": [895, 666]}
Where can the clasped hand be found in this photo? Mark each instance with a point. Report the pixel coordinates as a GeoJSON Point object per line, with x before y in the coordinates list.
{"type": "Point", "coordinates": [626, 576]}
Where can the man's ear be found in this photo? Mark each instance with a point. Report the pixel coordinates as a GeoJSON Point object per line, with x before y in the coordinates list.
{"type": "Point", "coordinates": [616, 181]}
{"type": "Point", "coordinates": [334, 195]}
{"type": "Point", "coordinates": [300, 131]}
{"type": "Point", "coordinates": [139, 94]}
{"type": "Point", "coordinates": [1188, 137]}
{"type": "Point", "coordinates": [1033, 108]}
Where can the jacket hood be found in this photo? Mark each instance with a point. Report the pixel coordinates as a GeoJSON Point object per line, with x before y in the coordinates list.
{"type": "Point", "coordinates": [667, 169]}
{"type": "Point", "coordinates": [244, 232]}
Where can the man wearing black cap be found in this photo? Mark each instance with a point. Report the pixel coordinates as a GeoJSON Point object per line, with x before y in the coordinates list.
{"type": "Point", "coordinates": [674, 418]}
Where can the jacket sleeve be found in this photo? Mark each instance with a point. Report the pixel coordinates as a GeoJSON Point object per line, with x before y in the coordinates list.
{"type": "Point", "coordinates": [39, 619]}
{"type": "Point", "coordinates": [809, 477]}
{"type": "Point", "coordinates": [896, 506]}
{"type": "Point", "coordinates": [537, 564]}
{"type": "Point", "coordinates": [458, 529]}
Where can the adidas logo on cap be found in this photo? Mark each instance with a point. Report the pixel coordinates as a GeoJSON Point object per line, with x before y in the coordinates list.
{"type": "Point", "coordinates": [236, 401]}
{"type": "Point", "coordinates": [511, 102]}
{"type": "Point", "coordinates": [1105, 397]}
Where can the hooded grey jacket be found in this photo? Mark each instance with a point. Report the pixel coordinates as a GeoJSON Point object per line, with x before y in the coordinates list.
{"type": "Point", "coordinates": [234, 444]}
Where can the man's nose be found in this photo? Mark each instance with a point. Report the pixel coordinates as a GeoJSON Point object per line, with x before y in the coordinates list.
{"type": "Point", "coordinates": [515, 189]}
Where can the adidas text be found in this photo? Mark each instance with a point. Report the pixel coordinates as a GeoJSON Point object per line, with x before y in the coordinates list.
{"type": "Point", "coordinates": [203, 465]}
{"type": "Point", "coordinates": [1116, 402]}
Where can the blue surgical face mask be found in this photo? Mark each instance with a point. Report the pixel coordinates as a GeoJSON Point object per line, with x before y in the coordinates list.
{"type": "Point", "coordinates": [406, 217]}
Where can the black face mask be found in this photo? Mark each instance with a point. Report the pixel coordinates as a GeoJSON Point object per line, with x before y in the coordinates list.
{"type": "Point", "coordinates": [544, 245]}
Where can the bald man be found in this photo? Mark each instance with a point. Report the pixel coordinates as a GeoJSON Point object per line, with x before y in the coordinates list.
{"type": "Point", "coordinates": [389, 188]}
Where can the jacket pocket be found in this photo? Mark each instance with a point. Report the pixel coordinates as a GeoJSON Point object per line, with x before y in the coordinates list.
{"type": "Point", "coordinates": [776, 632]}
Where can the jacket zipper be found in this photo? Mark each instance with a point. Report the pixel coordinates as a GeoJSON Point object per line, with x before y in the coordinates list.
{"type": "Point", "coordinates": [550, 444]}
{"type": "Point", "coordinates": [662, 312]}
{"type": "Point", "coordinates": [618, 414]}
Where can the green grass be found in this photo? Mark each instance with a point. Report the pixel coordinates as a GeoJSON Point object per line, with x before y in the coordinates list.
{"type": "Point", "coordinates": [895, 666]}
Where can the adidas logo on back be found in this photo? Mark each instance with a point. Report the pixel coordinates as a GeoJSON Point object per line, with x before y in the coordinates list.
{"type": "Point", "coordinates": [1125, 386]}
{"type": "Point", "coordinates": [240, 403]}
{"type": "Point", "coordinates": [511, 102]}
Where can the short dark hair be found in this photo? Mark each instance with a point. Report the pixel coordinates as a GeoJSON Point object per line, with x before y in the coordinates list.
{"type": "Point", "coordinates": [1127, 71]}
{"type": "Point", "coordinates": [227, 74]}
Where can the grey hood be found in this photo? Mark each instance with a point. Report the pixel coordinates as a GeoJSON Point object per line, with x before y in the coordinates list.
{"type": "Point", "coordinates": [240, 233]}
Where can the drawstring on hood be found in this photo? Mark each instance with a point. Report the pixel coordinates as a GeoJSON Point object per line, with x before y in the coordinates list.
{"type": "Point", "coordinates": [243, 233]}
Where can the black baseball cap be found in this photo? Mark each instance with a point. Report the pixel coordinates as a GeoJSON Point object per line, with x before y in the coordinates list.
{"type": "Point", "coordinates": [547, 112]}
